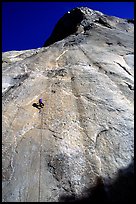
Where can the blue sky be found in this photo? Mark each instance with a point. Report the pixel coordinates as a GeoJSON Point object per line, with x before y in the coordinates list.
{"type": "Point", "coordinates": [26, 25]}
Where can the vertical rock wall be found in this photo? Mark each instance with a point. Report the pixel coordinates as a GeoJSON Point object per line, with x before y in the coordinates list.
{"type": "Point", "coordinates": [80, 144]}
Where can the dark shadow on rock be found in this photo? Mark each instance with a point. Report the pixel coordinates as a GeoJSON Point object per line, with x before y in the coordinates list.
{"type": "Point", "coordinates": [130, 21]}
{"type": "Point", "coordinates": [120, 191]}
{"type": "Point", "coordinates": [66, 26]}
{"type": "Point", "coordinates": [36, 105]}
{"type": "Point", "coordinates": [103, 21]}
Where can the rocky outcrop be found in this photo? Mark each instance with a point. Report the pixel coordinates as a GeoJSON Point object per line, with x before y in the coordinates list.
{"type": "Point", "coordinates": [80, 20]}
{"type": "Point", "coordinates": [79, 146]}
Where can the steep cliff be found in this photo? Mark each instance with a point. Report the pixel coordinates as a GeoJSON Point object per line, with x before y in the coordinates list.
{"type": "Point", "coordinates": [83, 136]}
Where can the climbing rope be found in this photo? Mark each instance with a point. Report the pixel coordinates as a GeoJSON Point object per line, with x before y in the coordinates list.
{"type": "Point", "coordinates": [41, 128]}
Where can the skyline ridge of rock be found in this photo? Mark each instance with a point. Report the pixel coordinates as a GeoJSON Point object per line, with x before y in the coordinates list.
{"type": "Point", "coordinates": [76, 21]}
{"type": "Point", "coordinates": [80, 145]}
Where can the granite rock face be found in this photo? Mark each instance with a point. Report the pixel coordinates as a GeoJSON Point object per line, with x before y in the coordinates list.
{"type": "Point", "coordinates": [83, 136]}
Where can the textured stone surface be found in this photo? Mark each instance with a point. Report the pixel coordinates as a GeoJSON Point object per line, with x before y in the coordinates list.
{"type": "Point", "coordinates": [85, 130]}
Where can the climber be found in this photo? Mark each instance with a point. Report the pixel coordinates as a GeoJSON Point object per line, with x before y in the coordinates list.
{"type": "Point", "coordinates": [41, 103]}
